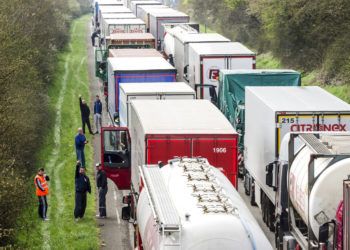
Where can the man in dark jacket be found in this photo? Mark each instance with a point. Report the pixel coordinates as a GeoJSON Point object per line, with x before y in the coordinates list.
{"type": "Point", "coordinates": [82, 186]}
{"type": "Point", "coordinates": [80, 141]}
{"type": "Point", "coordinates": [98, 114]}
{"type": "Point", "coordinates": [85, 115]}
{"type": "Point", "coordinates": [102, 185]}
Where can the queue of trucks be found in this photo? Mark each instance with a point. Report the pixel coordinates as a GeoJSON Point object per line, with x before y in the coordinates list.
{"type": "Point", "coordinates": [191, 118]}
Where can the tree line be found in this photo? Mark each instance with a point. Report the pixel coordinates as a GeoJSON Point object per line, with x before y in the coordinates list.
{"type": "Point", "coordinates": [307, 35]}
{"type": "Point", "coordinates": [31, 36]}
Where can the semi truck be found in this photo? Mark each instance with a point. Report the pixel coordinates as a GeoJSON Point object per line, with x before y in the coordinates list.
{"type": "Point", "coordinates": [158, 17]}
{"type": "Point", "coordinates": [135, 4]}
{"type": "Point", "coordinates": [205, 60]}
{"type": "Point", "coordinates": [189, 204]}
{"type": "Point", "coordinates": [144, 10]}
{"type": "Point", "coordinates": [271, 113]}
{"type": "Point", "coordinates": [150, 91]}
{"type": "Point", "coordinates": [311, 170]}
{"type": "Point", "coordinates": [116, 26]}
{"type": "Point", "coordinates": [231, 98]}
{"type": "Point", "coordinates": [120, 41]}
{"type": "Point", "coordinates": [182, 43]}
{"type": "Point", "coordinates": [159, 130]}
{"type": "Point", "coordinates": [135, 69]}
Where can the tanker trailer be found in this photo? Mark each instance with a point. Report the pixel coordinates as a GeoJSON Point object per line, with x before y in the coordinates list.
{"type": "Point", "coordinates": [189, 204]}
{"type": "Point", "coordinates": [312, 168]}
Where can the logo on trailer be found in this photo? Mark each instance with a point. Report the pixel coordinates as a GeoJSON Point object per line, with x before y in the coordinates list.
{"type": "Point", "coordinates": [213, 74]}
{"type": "Point", "coordinates": [321, 127]}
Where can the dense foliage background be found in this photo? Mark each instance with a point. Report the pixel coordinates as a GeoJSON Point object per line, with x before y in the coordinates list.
{"type": "Point", "coordinates": [307, 35]}
{"type": "Point", "coordinates": [32, 33]}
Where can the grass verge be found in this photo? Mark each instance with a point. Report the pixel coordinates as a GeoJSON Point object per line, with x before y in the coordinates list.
{"type": "Point", "coordinates": [58, 157]}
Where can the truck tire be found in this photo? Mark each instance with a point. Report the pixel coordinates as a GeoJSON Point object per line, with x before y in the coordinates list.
{"type": "Point", "coordinates": [278, 237]}
{"type": "Point", "coordinates": [270, 215]}
{"type": "Point", "coordinates": [247, 184]}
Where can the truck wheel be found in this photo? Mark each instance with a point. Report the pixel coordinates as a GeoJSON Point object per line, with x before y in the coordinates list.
{"type": "Point", "coordinates": [263, 208]}
{"type": "Point", "coordinates": [252, 196]}
{"type": "Point", "coordinates": [247, 184]}
{"type": "Point", "coordinates": [278, 237]}
{"type": "Point", "coordinates": [271, 215]}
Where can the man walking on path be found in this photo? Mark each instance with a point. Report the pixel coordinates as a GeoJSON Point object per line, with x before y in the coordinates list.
{"type": "Point", "coordinates": [85, 115]}
{"type": "Point", "coordinates": [80, 141]}
{"type": "Point", "coordinates": [98, 114]}
{"type": "Point", "coordinates": [82, 186]}
{"type": "Point", "coordinates": [101, 183]}
{"type": "Point", "coordinates": [42, 190]}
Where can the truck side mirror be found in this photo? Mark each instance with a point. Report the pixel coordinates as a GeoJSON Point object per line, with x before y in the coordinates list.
{"type": "Point", "coordinates": [116, 118]}
{"type": "Point", "coordinates": [271, 172]}
{"type": "Point", "coordinates": [126, 213]}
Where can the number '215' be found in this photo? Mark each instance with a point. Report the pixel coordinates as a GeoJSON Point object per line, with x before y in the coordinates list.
{"type": "Point", "coordinates": [288, 120]}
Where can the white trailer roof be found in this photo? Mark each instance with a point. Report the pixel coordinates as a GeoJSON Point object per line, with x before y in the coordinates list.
{"type": "Point", "coordinates": [143, 2]}
{"type": "Point", "coordinates": [199, 37]}
{"type": "Point", "coordinates": [139, 63]}
{"type": "Point", "coordinates": [124, 21]}
{"type": "Point", "coordinates": [157, 87]}
{"type": "Point", "coordinates": [166, 12]}
{"type": "Point", "coordinates": [134, 53]}
{"type": "Point", "coordinates": [148, 8]}
{"type": "Point", "coordinates": [114, 9]}
{"type": "Point", "coordinates": [181, 117]}
{"type": "Point", "coordinates": [255, 71]}
{"type": "Point", "coordinates": [311, 98]}
{"type": "Point", "coordinates": [131, 36]}
{"type": "Point", "coordinates": [225, 48]}
{"type": "Point", "coordinates": [117, 16]}
{"type": "Point", "coordinates": [109, 2]}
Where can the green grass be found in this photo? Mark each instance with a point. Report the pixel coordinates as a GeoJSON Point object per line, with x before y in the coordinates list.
{"type": "Point", "coordinates": [267, 61]}
{"type": "Point", "coordinates": [58, 156]}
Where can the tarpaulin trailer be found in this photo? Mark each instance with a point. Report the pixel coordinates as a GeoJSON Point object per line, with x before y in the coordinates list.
{"type": "Point", "coordinates": [150, 91]}
{"type": "Point", "coordinates": [135, 4]}
{"type": "Point", "coordinates": [144, 10]}
{"type": "Point", "coordinates": [115, 26]}
{"type": "Point", "coordinates": [271, 113]}
{"type": "Point", "coordinates": [182, 42]}
{"type": "Point", "coordinates": [135, 69]}
{"type": "Point", "coordinates": [158, 17]}
{"type": "Point", "coordinates": [231, 98]}
{"type": "Point", "coordinates": [205, 60]}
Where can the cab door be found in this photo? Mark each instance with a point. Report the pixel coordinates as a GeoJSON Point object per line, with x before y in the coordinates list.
{"type": "Point", "coordinates": [116, 155]}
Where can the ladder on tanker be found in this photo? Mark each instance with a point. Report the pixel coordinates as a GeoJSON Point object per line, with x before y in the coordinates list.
{"type": "Point", "coordinates": [164, 212]}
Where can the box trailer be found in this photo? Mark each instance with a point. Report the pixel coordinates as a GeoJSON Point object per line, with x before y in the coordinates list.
{"type": "Point", "coordinates": [205, 60]}
{"type": "Point", "coordinates": [182, 43]}
{"type": "Point", "coordinates": [169, 36]}
{"type": "Point", "coordinates": [135, 69]}
{"type": "Point", "coordinates": [103, 4]}
{"type": "Point", "coordinates": [120, 41]}
{"type": "Point", "coordinates": [111, 10]}
{"type": "Point", "coordinates": [231, 97]}
{"type": "Point", "coordinates": [158, 17]}
{"type": "Point", "coordinates": [162, 129]}
{"type": "Point", "coordinates": [116, 26]}
{"type": "Point", "coordinates": [144, 10]}
{"type": "Point", "coordinates": [135, 4]}
{"type": "Point", "coordinates": [117, 16]}
{"type": "Point", "coordinates": [134, 53]}
{"type": "Point", "coordinates": [150, 91]}
{"type": "Point", "coordinates": [271, 113]}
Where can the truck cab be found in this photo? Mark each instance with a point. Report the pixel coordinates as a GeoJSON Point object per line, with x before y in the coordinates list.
{"type": "Point", "coordinates": [116, 155]}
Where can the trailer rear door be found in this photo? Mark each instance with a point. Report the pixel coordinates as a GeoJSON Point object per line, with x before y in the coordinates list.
{"type": "Point", "coordinates": [210, 68]}
{"type": "Point", "coordinates": [221, 153]}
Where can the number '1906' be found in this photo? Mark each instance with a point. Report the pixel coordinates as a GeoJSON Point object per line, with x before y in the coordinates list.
{"type": "Point", "coordinates": [219, 150]}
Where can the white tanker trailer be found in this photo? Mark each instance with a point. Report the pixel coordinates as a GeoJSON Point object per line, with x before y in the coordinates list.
{"type": "Point", "coordinates": [312, 168]}
{"type": "Point", "coordinates": [189, 204]}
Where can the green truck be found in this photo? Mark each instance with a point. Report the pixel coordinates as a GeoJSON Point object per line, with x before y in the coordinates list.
{"type": "Point", "coordinates": [231, 95]}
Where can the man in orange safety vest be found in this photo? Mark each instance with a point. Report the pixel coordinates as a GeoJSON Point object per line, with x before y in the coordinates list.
{"type": "Point", "coordinates": [42, 190]}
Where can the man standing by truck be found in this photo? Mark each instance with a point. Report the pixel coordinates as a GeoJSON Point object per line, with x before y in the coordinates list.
{"type": "Point", "coordinates": [98, 114]}
{"type": "Point", "coordinates": [102, 185]}
{"type": "Point", "coordinates": [82, 186]}
{"type": "Point", "coordinates": [42, 190]}
{"type": "Point", "coordinates": [85, 115]}
{"type": "Point", "coordinates": [80, 141]}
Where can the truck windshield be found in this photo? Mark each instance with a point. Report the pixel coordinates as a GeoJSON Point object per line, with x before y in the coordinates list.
{"type": "Point", "coordinates": [116, 149]}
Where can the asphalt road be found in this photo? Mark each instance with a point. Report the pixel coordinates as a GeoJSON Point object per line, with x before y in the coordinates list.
{"type": "Point", "coordinates": [114, 232]}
